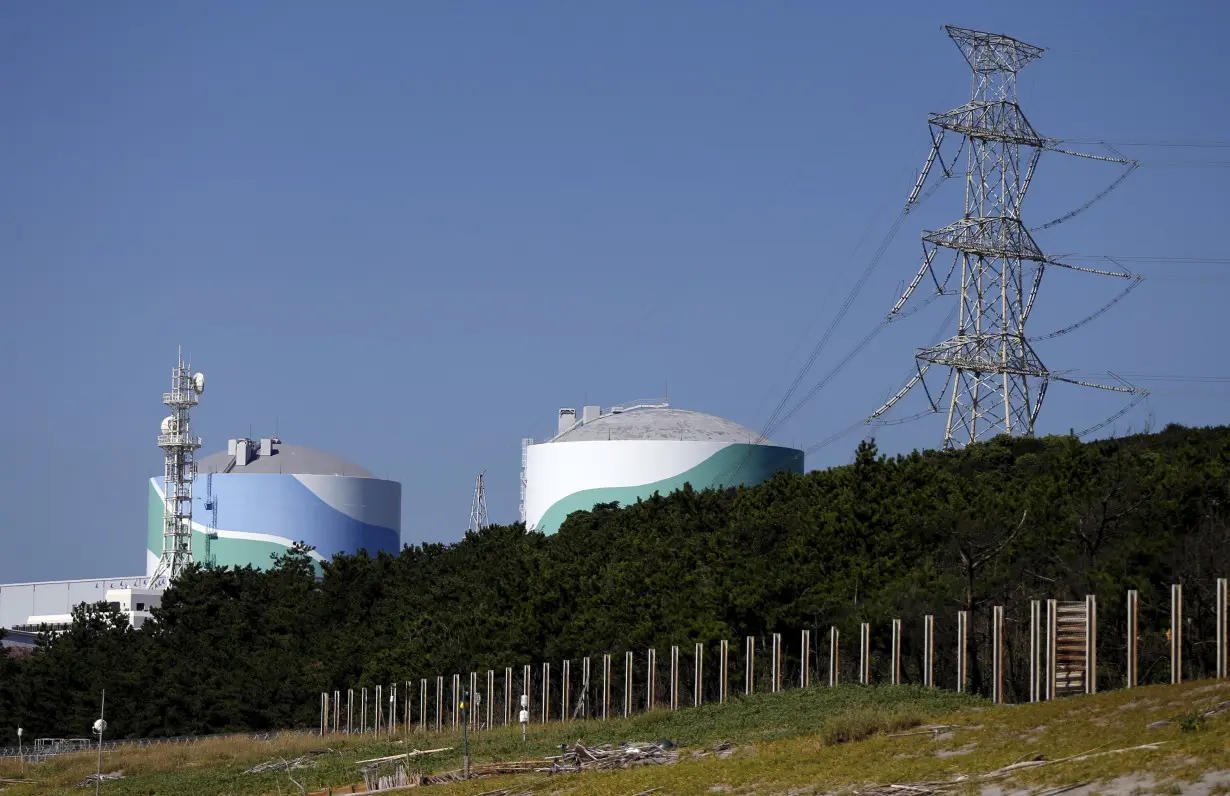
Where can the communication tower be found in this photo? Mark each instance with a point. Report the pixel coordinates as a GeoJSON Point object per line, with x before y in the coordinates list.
{"type": "Point", "coordinates": [997, 380]}
{"type": "Point", "coordinates": [179, 447]}
{"type": "Point", "coordinates": [478, 507]}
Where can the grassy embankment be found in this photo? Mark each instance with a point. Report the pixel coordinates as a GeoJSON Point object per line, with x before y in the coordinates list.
{"type": "Point", "coordinates": [817, 740]}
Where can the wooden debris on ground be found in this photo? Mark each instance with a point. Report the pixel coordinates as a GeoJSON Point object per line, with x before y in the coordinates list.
{"type": "Point", "coordinates": [279, 764]}
{"type": "Point", "coordinates": [489, 770]}
{"type": "Point", "coordinates": [605, 758]}
{"type": "Point", "coordinates": [106, 777]}
{"type": "Point", "coordinates": [393, 771]}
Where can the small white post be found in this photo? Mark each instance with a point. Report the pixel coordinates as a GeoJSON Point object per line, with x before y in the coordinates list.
{"type": "Point", "coordinates": [929, 651]}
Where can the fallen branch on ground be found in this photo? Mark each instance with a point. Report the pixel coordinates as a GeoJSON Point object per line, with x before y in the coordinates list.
{"type": "Point", "coordinates": [936, 730]}
{"type": "Point", "coordinates": [931, 788]}
{"type": "Point", "coordinates": [1204, 714]}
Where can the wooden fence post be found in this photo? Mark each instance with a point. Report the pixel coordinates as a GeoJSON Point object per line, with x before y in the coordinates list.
{"type": "Point", "coordinates": [651, 680]}
{"type": "Point", "coordinates": [962, 636]}
{"type": "Point", "coordinates": [724, 665]}
{"type": "Point", "coordinates": [894, 675]}
{"type": "Point", "coordinates": [587, 708]}
{"type": "Point", "coordinates": [565, 690]}
{"type": "Point", "coordinates": [997, 654]}
{"type": "Point", "coordinates": [1223, 652]}
{"type": "Point", "coordinates": [805, 659]}
{"type": "Point", "coordinates": [606, 685]}
{"type": "Point", "coordinates": [1176, 634]}
{"type": "Point", "coordinates": [775, 676]}
{"type": "Point", "coordinates": [864, 658]}
{"type": "Point", "coordinates": [546, 692]}
{"type": "Point", "coordinates": [1035, 650]}
{"type": "Point", "coordinates": [627, 683]}
{"type": "Point", "coordinates": [698, 675]}
{"type": "Point", "coordinates": [929, 651]}
{"type": "Point", "coordinates": [674, 677]}
{"type": "Point", "coordinates": [749, 665]}
{"type": "Point", "coordinates": [834, 654]}
{"type": "Point", "coordinates": [1091, 644]}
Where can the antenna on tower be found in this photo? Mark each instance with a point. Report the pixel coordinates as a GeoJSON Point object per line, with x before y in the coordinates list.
{"type": "Point", "coordinates": [997, 380]}
{"type": "Point", "coordinates": [179, 446]}
{"type": "Point", "coordinates": [478, 507]}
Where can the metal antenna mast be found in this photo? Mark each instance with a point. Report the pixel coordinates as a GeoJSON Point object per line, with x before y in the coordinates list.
{"type": "Point", "coordinates": [998, 381]}
{"type": "Point", "coordinates": [179, 446]}
{"type": "Point", "coordinates": [478, 507]}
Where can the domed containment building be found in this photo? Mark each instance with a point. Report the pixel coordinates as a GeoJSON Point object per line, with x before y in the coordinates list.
{"type": "Point", "coordinates": [261, 496]}
{"type": "Point", "coordinates": [628, 453]}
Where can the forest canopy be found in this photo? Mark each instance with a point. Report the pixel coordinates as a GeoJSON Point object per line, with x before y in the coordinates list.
{"type": "Point", "coordinates": [1000, 523]}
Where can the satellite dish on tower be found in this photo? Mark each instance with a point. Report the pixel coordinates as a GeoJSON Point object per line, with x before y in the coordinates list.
{"type": "Point", "coordinates": [198, 382]}
{"type": "Point", "coordinates": [169, 426]}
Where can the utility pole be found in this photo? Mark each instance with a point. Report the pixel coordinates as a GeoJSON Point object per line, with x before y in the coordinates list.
{"type": "Point", "coordinates": [465, 731]}
{"type": "Point", "coordinates": [100, 727]}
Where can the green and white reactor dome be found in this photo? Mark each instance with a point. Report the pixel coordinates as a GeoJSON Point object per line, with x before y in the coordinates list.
{"type": "Point", "coordinates": [628, 453]}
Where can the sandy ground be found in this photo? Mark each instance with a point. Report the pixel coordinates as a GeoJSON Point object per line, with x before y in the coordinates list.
{"type": "Point", "coordinates": [1131, 785]}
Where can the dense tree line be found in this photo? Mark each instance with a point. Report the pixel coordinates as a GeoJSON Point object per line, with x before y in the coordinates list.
{"type": "Point", "coordinates": [999, 523]}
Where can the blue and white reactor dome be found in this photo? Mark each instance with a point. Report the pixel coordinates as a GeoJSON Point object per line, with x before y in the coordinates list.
{"type": "Point", "coordinates": [267, 495]}
{"type": "Point", "coordinates": [629, 453]}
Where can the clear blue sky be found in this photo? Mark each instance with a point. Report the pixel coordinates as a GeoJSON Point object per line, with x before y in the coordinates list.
{"type": "Point", "coordinates": [408, 232]}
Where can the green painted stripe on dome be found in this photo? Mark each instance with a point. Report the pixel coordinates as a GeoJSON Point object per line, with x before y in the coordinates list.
{"type": "Point", "coordinates": [759, 464]}
{"type": "Point", "coordinates": [221, 552]}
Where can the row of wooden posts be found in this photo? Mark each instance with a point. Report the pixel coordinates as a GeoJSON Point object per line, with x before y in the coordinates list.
{"type": "Point", "coordinates": [1062, 662]}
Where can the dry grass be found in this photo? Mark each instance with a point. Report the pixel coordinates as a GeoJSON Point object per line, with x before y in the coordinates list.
{"type": "Point", "coordinates": [799, 742]}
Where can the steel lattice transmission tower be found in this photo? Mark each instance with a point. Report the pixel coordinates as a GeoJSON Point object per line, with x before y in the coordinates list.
{"type": "Point", "coordinates": [997, 380]}
{"type": "Point", "coordinates": [478, 506]}
{"type": "Point", "coordinates": [179, 446]}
